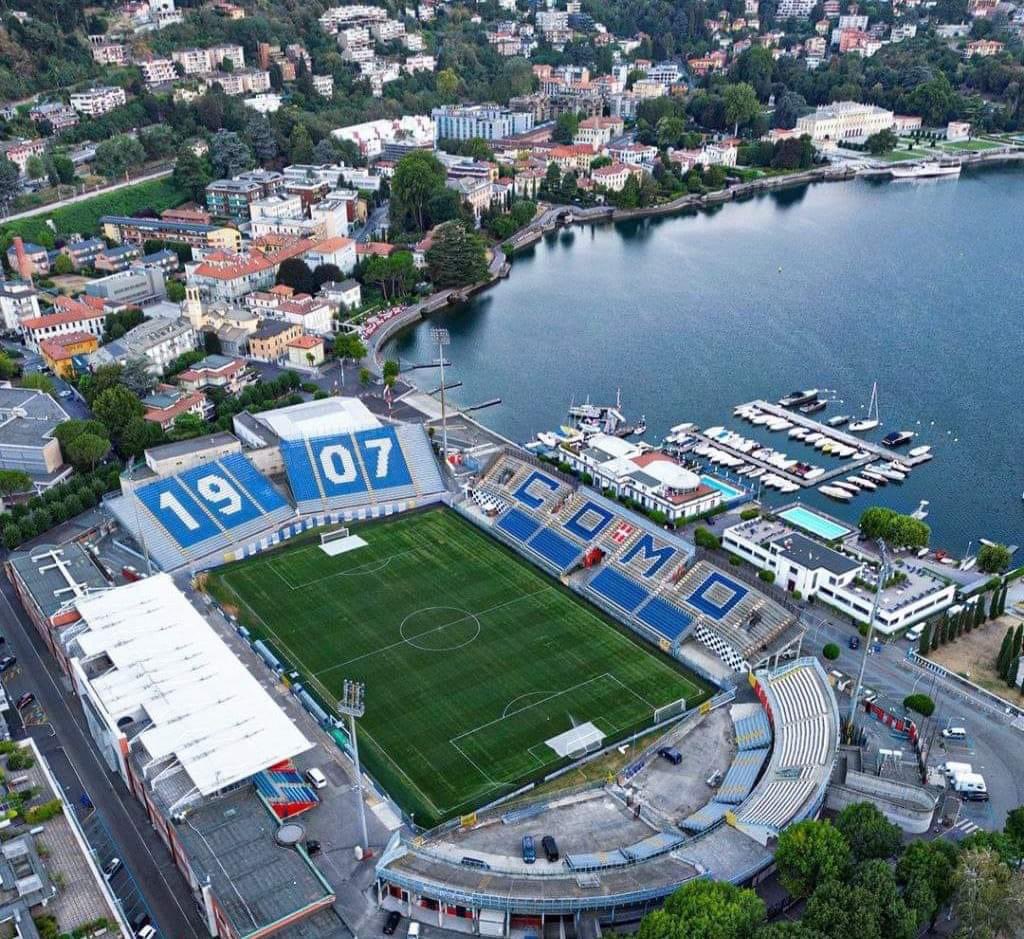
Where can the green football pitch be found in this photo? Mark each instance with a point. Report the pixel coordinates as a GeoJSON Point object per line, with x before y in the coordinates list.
{"type": "Point", "coordinates": [472, 658]}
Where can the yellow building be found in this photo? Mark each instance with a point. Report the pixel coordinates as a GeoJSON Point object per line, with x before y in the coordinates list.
{"type": "Point", "coordinates": [58, 352]}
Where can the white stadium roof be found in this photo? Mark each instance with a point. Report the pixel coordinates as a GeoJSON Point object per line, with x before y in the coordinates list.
{"type": "Point", "coordinates": [208, 712]}
{"type": "Point", "coordinates": [322, 418]}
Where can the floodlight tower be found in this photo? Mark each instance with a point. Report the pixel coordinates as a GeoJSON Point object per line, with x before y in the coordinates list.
{"type": "Point", "coordinates": [883, 575]}
{"type": "Point", "coordinates": [353, 704]}
{"type": "Point", "coordinates": [441, 336]}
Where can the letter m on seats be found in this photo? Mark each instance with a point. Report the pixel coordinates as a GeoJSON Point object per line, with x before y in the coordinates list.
{"type": "Point", "coordinates": [645, 547]}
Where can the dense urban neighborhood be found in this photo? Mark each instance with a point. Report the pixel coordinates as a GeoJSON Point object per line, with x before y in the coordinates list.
{"type": "Point", "coordinates": [293, 644]}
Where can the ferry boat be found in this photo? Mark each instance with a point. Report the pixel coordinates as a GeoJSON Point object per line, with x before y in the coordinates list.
{"type": "Point", "coordinates": [898, 438]}
{"type": "Point", "coordinates": [926, 170]}
{"type": "Point", "coordinates": [813, 407]}
{"type": "Point", "coordinates": [796, 398]}
{"type": "Point", "coordinates": [838, 420]}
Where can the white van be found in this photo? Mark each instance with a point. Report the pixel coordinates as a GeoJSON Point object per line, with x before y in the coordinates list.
{"type": "Point", "coordinates": [955, 733]}
{"type": "Point", "coordinates": [318, 780]}
{"type": "Point", "coordinates": [971, 786]}
{"type": "Point", "coordinates": [914, 633]}
{"type": "Point", "coordinates": [956, 769]}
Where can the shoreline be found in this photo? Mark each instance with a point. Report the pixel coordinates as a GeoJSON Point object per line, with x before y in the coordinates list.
{"type": "Point", "coordinates": [559, 216]}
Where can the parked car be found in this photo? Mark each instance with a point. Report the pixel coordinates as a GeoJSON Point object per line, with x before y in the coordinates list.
{"type": "Point", "coordinates": [414, 930]}
{"type": "Point", "coordinates": [25, 700]}
{"type": "Point", "coordinates": [8, 661]}
{"type": "Point", "coordinates": [112, 867]}
{"type": "Point", "coordinates": [671, 754]}
{"type": "Point", "coordinates": [147, 932]}
{"type": "Point", "coordinates": [391, 923]}
{"type": "Point", "coordinates": [312, 846]}
{"type": "Point", "coordinates": [854, 642]}
{"type": "Point", "coordinates": [529, 849]}
{"type": "Point", "coordinates": [550, 847]}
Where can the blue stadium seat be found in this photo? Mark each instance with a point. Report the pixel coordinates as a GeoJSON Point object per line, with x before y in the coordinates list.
{"type": "Point", "coordinates": [664, 618]}
{"type": "Point", "coordinates": [176, 511]}
{"type": "Point", "coordinates": [265, 495]}
{"type": "Point", "coordinates": [301, 475]}
{"type": "Point", "coordinates": [558, 550]}
{"type": "Point", "coordinates": [518, 524]}
{"type": "Point", "coordinates": [536, 489]}
{"type": "Point", "coordinates": [620, 590]}
{"type": "Point", "coordinates": [589, 521]}
{"type": "Point", "coordinates": [215, 491]}
{"type": "Point", "coordinates": [700, 601]}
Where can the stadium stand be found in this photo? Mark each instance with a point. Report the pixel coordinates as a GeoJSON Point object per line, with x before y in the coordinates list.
{"type": "Point", "coordinates": [285, 790]}
{"type": "Point", "coordinates": [558, 550]}
{"type": "Point", "coordinates": [654, 846]}
{"type": "Point", "coordinates": [741, 776]}
{"type": "Point", "coordinates": [753, 732]}
{"type": "Point", "coordinates": [518, 524]}
{"type": "Point", "coordinates": [383, 466]}
{"type": "Point", "coordinates": [599, 860]}
{"type": "Point", "coordinates": [665, 618]}
{"type": "Point", "coordinates": [625, 593]}
{"type": "Point", "coordinates": [705, 817]}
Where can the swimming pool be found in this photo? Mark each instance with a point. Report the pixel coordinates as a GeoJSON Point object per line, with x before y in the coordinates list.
{"type": "Point", "coordinates": [814, 523]}
{"type": "Point", "coordinates": [728, 492]}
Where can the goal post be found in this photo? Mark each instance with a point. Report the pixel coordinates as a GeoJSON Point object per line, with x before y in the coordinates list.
{"type": "Point", "coordinates": [326, 537]}
{"type": "Point", "coordinates": [669, 710]}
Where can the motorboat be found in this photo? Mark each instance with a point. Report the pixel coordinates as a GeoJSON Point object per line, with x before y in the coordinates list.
{"type": "Point", "coordinates": [888, 472]}
{"type": "Point", "coordinates": [834, 492]}
{"type": "Point", "coordinates": [813, 438]}
{"type": "Point", "coordinates": [756, 474]}
{"type": "Point", "coordinates": [713, 431]}
{"type": "Point", "coordinates": [921, 512]}
{"type": "Point", "coordinates": [872, 420]}
{"type": "Point", "coordinates": [683, 428]}
{"type": "Point", "coordinates": [849, 487]}
{"type": "Point", "coordinates": [814, 473]}
{"type": "Point", "coordinates": [813, 407]}
{"type": "Point", "coordinates": [862, 483]}
{"type": "Point", "coordinates": [798, 433]}
{"type": "Point", "coordinates": [898, 438]}
{"type": "Point", "coordinates": [796, 398]}
{"type": "Point", "coordinates": [877, 478]}
{"type": "Point", "coordinates": [780, 423]}
{"type": "Point", "coordinates": [920, 453]}
{"type": "Point", "coordinates": [838, 420]}
{"type": "Point", "coordinates": [761, 419]}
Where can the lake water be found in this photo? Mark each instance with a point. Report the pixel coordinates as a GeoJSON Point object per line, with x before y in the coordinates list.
{"type": "Point", "coordinates": [916, 285]}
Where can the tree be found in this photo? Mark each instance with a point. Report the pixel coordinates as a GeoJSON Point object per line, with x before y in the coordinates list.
{"type": "Point", "coordinates": [808, 853]}
{"type": "Point", "coordinates": [566, 127]}
{"type": "Point", "coordinates": [364, 376]}
{"type": "Point", "coordinates": [418, 176]}
{"type": "Point", "coordinates": [349, 346]}
{"type": "Point", "coordinates": [924, 644]}
{"type": "Point", "coordinates": [10, 181]}
{"type": "Point", "coordinates": [158, 141]}
{"type": "Point", "coordinates": [391, 368]}
{"type": "Point", "coordinates": [229, 155]}
{"type": "Point", "coordinates": [295, 273]}
{"type": "Point", "coordinates": [67, 431]}
{"type": "Point", "coordinates": [882, 142]}
{"type": "Point", "coordinates": [457, 257]}
{"type": "Point", "coordinates": [138, 435]}
{"type": "Point", "coordinates": [261, 137]}
{"type": "Point", "coordinates": [920, 704]}
{"type": "Point", "coordinates": [831, 651]}
{"type": "Point", "coordinates": [705, 909]}
{"type": "Point", "coordinates": [39, 382]}
{"type": "Point", "coordinates": [300, 145]}
{"type": "Point", "coordinates": [12, 481]}
{"type": "Point", "coordinates": [741, 105]}
{"type": "Point", "coordinates": [394, 275]}
{"type": "Point", "coordinates": [34, 167]}
{"type": "Point", "coordinates": [989, 897]}
{"type": "Point", "coordinates": [868, 832]}
{"type": "Point", "coordinates": [447, 83]}
{"type": "Point", "coordinates": [993, 558]}
{"type": "Point", "coordinates": [925, 872]}
{"type": "Point", "coordinates": [788, 109]}
{"type": "Point", "coordinates": [326, 274]}
{"type": "Point", "coordinates": [187, 426]}
{"type": "Point", "coordinates": [115, 156]}
{"type": "Point", "coordinates": [325, 151]}
{"type": "Point", "coordinates": [86, 450]}
{"type": "Point", "coordinates": [62, 169]}
{"type": "Point", "coordinates": [115, 407]}
{"type": "Point", "coordinates": [191, 174]}
{"type": "Point", "coordinates": [898, 531]}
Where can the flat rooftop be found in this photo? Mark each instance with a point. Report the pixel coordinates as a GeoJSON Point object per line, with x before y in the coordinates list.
{"type": "Point", "coordinates": [57, 574]}
{"type": "Point", "coordinates": [256, 880]}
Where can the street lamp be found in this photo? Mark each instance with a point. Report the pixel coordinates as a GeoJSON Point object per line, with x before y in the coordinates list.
{"type": "Point", "coordinates": [440, 335]}
{"type": "Point", "coordinates": [353, 703]}
{"type": "Point", "coordinates": [883, 575]}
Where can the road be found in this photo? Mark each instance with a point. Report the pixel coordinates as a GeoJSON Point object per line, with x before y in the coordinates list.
{"type": "Point", "coordinates": [91, 194]}
{"type": "Point", "coordinates": [993, 746]}
{"type": "Point", "coordinates": [139, 847]}
{"type": "Point", "coordinates": [373, 222]}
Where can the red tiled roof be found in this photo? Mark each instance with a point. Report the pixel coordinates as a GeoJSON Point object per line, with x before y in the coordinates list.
{"type": "Point", "coordinates": [56, 349]}
{"type": "Point", "coordinates": [68, 311]}
{"type": "Point", "coordinates": [380, 248]}
{"type": "Point", "coordinates": [306, 342]}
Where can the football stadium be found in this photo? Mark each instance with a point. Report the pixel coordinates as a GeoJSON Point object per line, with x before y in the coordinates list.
{"type": "Point", "coordinates": [510, 626]}
{"type": "Point", "coordinates": [482, 672]}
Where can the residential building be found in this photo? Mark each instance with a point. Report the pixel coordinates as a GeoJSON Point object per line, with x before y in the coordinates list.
{"type": "Point", "coordinates": [19, 152]}
{"type": "Point", "coordinates": [526, 183]}
{"type": "Point", "coordinates": [202, 61]}
{"type": "Point", "coordinates": [125, 228]}
{"type": "Point", "coordinates": [223, 277]}
{"type": "Point", "coordinates": [842, 577]}
{"type": "Point", "coordinates": [370, 137]}
{"type": "Point", "coordinates": [339, 250]}
{"type": "Point", "coordinates": [135, 286]}
{"type": "Point", "coordinates": [906, 123]}
{"type": "Point", "coordinates": [55, 113]}
{"type": "Point", "coordinates": [58, 353]}
{"type": "Point", "coordinates": [231, 198]}
{"type": "Point", "coordinates": [649, 477]}
{"type": "Point", "coordinates": [313, 314]}
{"type": "Point", "coordinates": [166, 403]}
{"type": "Point", "coordinates": [343, 295]}
{"type": "Point", "coordinates": [97, 101]}
{"type": "Point", "coordinates": [487, 121]}
{"type": "Point", "coordinates": [243, 82]}
{"type": "Point", "coordinates": [844, 120]}
{"type": "Point", "coordinates": [68, 316]}
{"type": "Point", "coordinates": [84, 252]}
{"type": "Point", "coordinates": [421, 62]}
{"type": "Point", "coordinates": [118, 258]}
{"type": "Point", "coordinates": [598, 131]}
{"type": "Point", "coordinates": [28, 259]}
{"type": "Point", "coordinates": [634, 154]}
{"type": "Point", "coordinates": [613, 177]}
{"type": "Point", "coordinates": [958, 131]}
{"type": "Point", "coordinates": [800, 9]}
{"type": "Point", "coordinates": [216, 371]}
{"type": "Point", "coordinates": [280, 205]}
{"type": "Point", "coordinates": [105, 52]}
{"type": "Point", "coordinates": [160, 341]}
{"type": "Point", "coordinates": [270, 341]}
{"type": "Point", "coordinates": [27, 421]}
{"type": "Point", "coordinates": [474, 192]}
{"type": "Point", "coordinates": [19, 301]}
{"type": "Point", "coordinates": [985, 48]}
{"type": "Point", "coordinates": [165, 259]}
{"type": "Point", "coordinates": [306, 352]}
{"type": "Point", "coordinates": [158, 72]}
{"type": "Point", "coordinates": [323, 85]}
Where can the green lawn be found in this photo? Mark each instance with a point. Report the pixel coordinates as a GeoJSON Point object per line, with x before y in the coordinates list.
{"type": "Point", "coordinates": [979, 145]}
{"type": "Point", "coordinates": [896, 156]}
{"type": "Point", "coordinates": [472, 658]}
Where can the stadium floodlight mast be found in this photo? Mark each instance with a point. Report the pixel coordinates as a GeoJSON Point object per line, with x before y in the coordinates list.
{"type": "Point", "coordinates": [353, 703]}
{"type": "Point", "coordinates": [883, 575]}
{"type": "Point", "coordinates": [441, 336]}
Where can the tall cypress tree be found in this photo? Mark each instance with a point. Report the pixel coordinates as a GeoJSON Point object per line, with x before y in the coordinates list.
{"type": "Point", "coordinates": [979, 611]}
{"type": "Point", "coordinates": [938, 632]}
{"type": "Point", "coordinates": [1004, 653]}
{"type": "Point", "coordinates": [1017, 636]}
{"type": "Point", "coordinates": [925, 643]}
{"type": "Point", "coordinates": [993, 610]}
{"type": "Point", "coordinates": [1002, 599]}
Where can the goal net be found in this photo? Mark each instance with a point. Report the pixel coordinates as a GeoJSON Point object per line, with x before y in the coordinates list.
{"type": "Point", "coordinates": [328, 536]}
{"type": "Point", "coordinates": [669, 710]}
{"type": "Point", "coordinates": [579, 741]}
